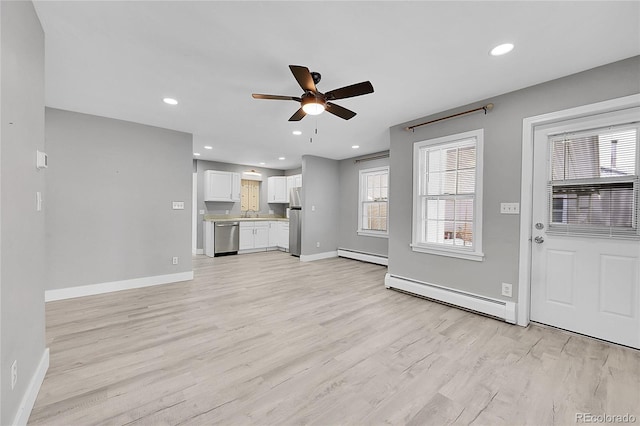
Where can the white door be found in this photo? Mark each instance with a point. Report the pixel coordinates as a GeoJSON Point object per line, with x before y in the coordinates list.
{"type": "Point", "coordinates": [246, 236]}
{"type": "Point", "coordinates": [585, 257]}
{"type": "Point", "coordinates": [261, 235]}
{"type": "Point", "coordinates": [274, 234]}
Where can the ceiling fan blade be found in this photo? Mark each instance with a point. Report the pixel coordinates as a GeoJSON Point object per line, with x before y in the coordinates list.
{"type": "Point", "coordinates": [304, 78]}
{"type": "Point", "coordinates": [350, 91]}
{"type": "Point", "coordinates": [299, 115]}
{"type": "Point", "coordinates": [340, 111]}
{"type": "Point", "coordinates": [276, 97]}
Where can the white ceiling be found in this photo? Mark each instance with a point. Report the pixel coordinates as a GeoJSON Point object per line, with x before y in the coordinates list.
{"type": "Point", "coordinates": [119, 59]}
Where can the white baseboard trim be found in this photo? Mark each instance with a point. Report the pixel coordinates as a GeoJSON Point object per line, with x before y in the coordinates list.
{"type": "Point", "coordinates": [486, 305]}
{"type": "Point", "coordinates": [318, 256]}
{"type": "Point", "coordinates": [92, 289]}
{"type": "Point", "coordinates": [365, 257]}
{"type": "Point", "coordinates": [197, 251]}
{"type": "Point", "coordinates": [29, 398]}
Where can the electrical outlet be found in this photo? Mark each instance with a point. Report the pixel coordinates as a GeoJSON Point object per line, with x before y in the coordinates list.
{"type": "Point", "coordinates": [318, 244]}
{"type": "Point", "coordinates": [226, 212]}
{"type": "Point", "coordinates": [14, 374]}
{"type": "Point", "coordinates": [506, 289]}
{"type": "Point", "coordinates": [510, 208]}
{"type": "Point", "coordinates": [201, 212]}
{"type": "Point", "coordinates": [175, 260]}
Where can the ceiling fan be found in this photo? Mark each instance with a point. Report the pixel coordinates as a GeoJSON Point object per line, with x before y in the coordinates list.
{"type": "Point", "coordinates": [312, 101]}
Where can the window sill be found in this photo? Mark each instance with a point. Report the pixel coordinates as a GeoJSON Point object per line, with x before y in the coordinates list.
{"type": "Point", "coordinates": [372, 234]}
{"type": "Point", "coordinates": [467, 255]}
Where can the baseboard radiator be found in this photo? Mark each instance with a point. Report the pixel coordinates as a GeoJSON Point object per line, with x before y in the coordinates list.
{"type": "Point", "coordinates": [365, 257]}
{"type": "Point", "coordinates": [473, 302]}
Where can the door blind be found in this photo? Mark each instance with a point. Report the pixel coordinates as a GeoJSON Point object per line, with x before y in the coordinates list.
{"type": "Point", "coordinates": [594, 183]}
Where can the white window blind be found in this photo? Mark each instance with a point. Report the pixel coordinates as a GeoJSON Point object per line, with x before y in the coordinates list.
{"type": "Point", "coordinates": [447, 195]}
{"type": "Point", "coordinates": [593, 190]}
{"type": "Point", "coordinates": [373, 203]}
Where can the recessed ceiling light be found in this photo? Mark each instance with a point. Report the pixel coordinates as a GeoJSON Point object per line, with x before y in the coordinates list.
{"type": "Point", "coordinates": [262, 164]}
{"type": "Point", "coordinates": [208, 147]}
{"type": "Point", "coordinates": [297, 132]}
{"type": "Point", "coordinates": [197, 154]}
{"type": "Point", "coordinates": [281, 158]}
{"type": "Point", "coordinates": [355, 146]}
{"type": "Point", "coordinates": [170, 101]}
{"type": "Point", "coordinates": [502, 49]}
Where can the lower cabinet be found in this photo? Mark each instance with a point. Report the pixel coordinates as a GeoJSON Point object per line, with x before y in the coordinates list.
{"type": "Point", "coordinates": [283, 241]}
{"type": "Point", "coordinates": [261, 235]}
{"type": "Point", "coordinates": [254, 235]}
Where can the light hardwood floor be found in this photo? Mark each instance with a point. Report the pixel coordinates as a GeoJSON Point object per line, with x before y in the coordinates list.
{"type": "Point", "coordinates": [265, 339]}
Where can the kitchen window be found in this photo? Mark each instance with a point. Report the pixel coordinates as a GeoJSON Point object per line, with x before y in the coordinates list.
{"type": "Point", "coordinates": [447, 197]}
{"type": "Point", "coordinates": [373, 211]}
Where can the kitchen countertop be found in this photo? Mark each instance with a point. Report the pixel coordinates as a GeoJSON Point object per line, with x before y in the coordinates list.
{"type": "Point", "coordinates": [223, 218]}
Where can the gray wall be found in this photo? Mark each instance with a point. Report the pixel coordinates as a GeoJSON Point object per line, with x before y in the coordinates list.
{"type": "Point", "coordinates": [23, 228]}
{"type": "Point", "coordinates": [110, 187]}
{"type": "Point", "coordinates": [320, 188]}
{"type": "Point", "coordinates": [220, 208]}
{"type": "Point", "coordinates": [292, 172]}
{"type": "Point", "coordinates": [348, 237]}
{"type": "Point", "coordinates": [502, 169]}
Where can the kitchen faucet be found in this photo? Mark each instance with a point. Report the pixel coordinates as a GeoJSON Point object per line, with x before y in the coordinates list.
{"type": "Point", "coordinates": [246, 213]}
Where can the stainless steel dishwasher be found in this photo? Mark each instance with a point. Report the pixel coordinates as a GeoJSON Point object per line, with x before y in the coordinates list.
{"type": "Point", "coordinates": [226, 238]}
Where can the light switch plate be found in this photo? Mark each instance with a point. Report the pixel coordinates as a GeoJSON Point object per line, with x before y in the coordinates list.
{"type": "Point", "coordinates": [178, 205]}
{"type": "Point", "coordinates": [510, 208]}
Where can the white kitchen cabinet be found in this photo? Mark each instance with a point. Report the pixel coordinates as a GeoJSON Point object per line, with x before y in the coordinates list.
{"type": "Point", "coordinates": [261, 237]}
{"type": "Point", "coordinates": [221, 186]}
{"type": "Point", "coordinates": [254, 235]}
{"type": "Point", "coordinates": [274, 234]}
{"type": "Point", "coordinates": [293, 181]}
{"type": "Point", "coordinates": [283, 237]}
{"type": "Point", "coordinates": [246, 237]}
{"type": "Point", "coordinates": [209, 238]}
{"type": "Point", "coordinates": [277, 189]}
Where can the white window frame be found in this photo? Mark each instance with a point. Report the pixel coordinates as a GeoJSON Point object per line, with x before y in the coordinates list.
{"type": "Point", "coordinates": [419, 170]}
{"type": "Point", "coordinates": [362, 194]}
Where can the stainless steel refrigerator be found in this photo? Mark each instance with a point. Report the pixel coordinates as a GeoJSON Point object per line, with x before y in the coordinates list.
{"type": "Point", "coordinates": [295, 222]}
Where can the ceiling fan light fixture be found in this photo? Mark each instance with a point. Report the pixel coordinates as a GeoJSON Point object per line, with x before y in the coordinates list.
{"type": "Point", "coordinates": [501, 49]}
{"type": "Point", "coordinates": [312, 105]}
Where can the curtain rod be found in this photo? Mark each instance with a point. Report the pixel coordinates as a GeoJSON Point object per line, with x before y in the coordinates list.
{"type": "Point", "coordinates": [486, 108]}
{"type": "Point", "coordinates": [375, 157]}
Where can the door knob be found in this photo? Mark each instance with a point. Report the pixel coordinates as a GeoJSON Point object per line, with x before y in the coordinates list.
{"type": "Point", "coordinates": [539, 239]}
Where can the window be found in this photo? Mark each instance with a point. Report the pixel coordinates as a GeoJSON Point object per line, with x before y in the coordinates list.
{"type": "Point", "coordinates": [447, 197]}
{"type": "Point", "coordinates": [250, 195]}
{"type": "Point", "coordinates": [593, 187]}
{"type": "Point", "coordinates": [373, 210]}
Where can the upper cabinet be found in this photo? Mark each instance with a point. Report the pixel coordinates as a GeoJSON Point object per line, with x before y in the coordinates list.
{"type": "Point", "coordinates": [221, 186]}
{"type": "Point", "coordinates": [293, 181]}
{"type": "Point", "coordinates": [277, 189]}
